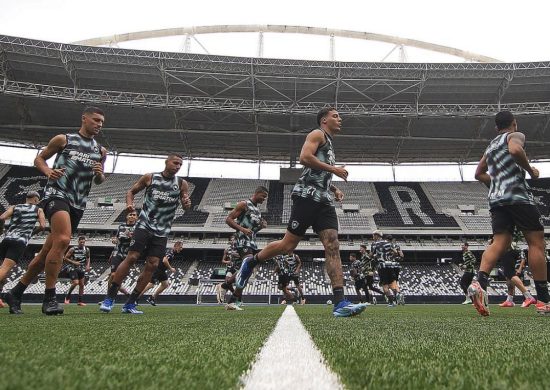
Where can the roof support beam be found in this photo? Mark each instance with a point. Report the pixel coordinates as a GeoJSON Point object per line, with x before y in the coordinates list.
{"type": "Point", "coordinates": [255, 114]}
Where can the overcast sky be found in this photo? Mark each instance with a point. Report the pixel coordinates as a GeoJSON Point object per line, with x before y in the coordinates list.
{"type": "Point", "coordinates": [508, 30]}
{"type": "Point", "coordinates": [511, 31]}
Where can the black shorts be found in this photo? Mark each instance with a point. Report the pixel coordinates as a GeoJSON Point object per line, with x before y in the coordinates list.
{"type": "Point", "coordinates": [369, 280]}
{"type": "Point", "coordinates": [306, 212]}
{"type": "Point", "coordinates": [283, 282]}
{"type": "Point", "coordinates": [525, 217]}
{"type": "Point", "coordinates": [72, 273]}
{"type": "Point", "coordinates": [53, 205]}
{"type": "Point", "coordinates": [509, 263]}
{"type": "Point", "coordinates": [387, 275]}
{"type": "Point", "coordinates": [295, 279]}
{"type": "Point", "coordinates": [396, 272]}
{"type": "Point", "coordinates": [159, 276]}
{"type": "Point", "coordinates": [360, 284]}
{"type": "Point", "coordinates": [11, 249]}
{"type": "Point", "coordinates": [246, 250]}
{"type": "Point", "coordinates": [147, 244]}
{"type": "Point", "coordinates": [115, 262]}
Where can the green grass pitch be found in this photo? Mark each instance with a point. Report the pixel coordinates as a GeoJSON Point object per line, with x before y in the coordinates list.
{"type": "Point", "coordinates": [435, 347]}
{"type": "Point", "coordinates": [189, 347]}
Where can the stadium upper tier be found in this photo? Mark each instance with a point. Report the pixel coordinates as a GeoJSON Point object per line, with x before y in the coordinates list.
{"type": "Point", "coordinates": [255, 108]}
{"type": "Point", "coordinates": [399, 207]}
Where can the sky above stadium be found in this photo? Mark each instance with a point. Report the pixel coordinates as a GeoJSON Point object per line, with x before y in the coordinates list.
{"type": "Point", "coordinates": [507, 30]}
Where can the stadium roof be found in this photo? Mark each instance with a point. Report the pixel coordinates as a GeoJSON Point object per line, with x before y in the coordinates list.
{"type": "Point", "coordinates": [211, 106]}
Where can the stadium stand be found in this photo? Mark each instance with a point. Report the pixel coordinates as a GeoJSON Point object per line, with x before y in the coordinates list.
{"type": "Point", "coordinates": [274, 214]}
{"type": "Point", "coordinates": [449, 195]}
{"type": "Point", "coordinates": [541, 192]}
{"type": "Point", "coordinates": [407, 206]}
{"type": "Point", "coordinates": [222, 191]}
{"type": "Point", "coordinates": [16, 182]}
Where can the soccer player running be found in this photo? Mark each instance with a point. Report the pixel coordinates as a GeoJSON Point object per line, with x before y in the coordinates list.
{"type": "Point", "coordinates": [397, 257]}
{"type": "Point", "coordinates": [513, 265]}
{"type": "Point", "coordinates": [246, 219]}
{"type": "Point", "coordinates": [232, 260]}
{"type": "Point", "coordinates": [368, 268]}
{"type": "Point", "coordinates": [502, 168]}
{"type": "Point", "coordinates": [122, 240]}
{"type": "Point", "coordinates": [294, 266]}
{"type": "Point", "coordinates": [79, 257]}
{"type": "Point", "coordinates": [382, 252]}
{"type": "Point", "coordinates": [356, 272]}
{"type": "Point", "coordinates": [283, 278]}
{"type": "Point", "coordinates": [163, 192]}
{"type": "Point", "coordinates": [160, 275]}
{"type": "Point", "coordinates": [78, 164]}
{"type": "Point", "coordinates": [469, 267]}
{"type": "Point", "coordinates": [23, 218]}
{"type": "Point", "coordinates": [313, 205]}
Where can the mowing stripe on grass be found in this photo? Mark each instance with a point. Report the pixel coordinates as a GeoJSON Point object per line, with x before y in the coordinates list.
{"type": "Point", "coordinates": [289, 358]}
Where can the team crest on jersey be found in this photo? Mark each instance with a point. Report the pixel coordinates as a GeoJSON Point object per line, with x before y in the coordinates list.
{"type": "Point", "coordinates": [295, 224]}
{"type": "Point", "coordinates": [96, 149]}
{"type": "Point", "coordinates": [175, 187]}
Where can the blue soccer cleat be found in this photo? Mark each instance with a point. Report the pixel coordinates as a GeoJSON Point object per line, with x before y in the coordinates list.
{"type": "Point", "coordinates": [130, 308]}
{"type": "Point", "coordinates": [244, 272]}
{"type": "Point", "coordinates": [107, 305]}
{"type": "Point", "coordinates": [347, 309]}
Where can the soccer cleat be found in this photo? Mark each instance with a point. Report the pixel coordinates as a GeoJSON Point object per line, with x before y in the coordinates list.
{"type": "Point", "coordinates": [130, 308]}
{"type": "Point", "coordinates": [283, 302]}
{"type": "Point", "coordinates": [392, 304]}
{"type": "Point", "coordinates": [244, 272]}
{"type": "Point", "coordinates": [467, 301]}
{"type": "Point", "coordinates": [219, 293]}
{"type": "Point", "coordinates": [542, 308]}
{"type": "Point", "coordinates": [67, 301]}
{"type": "Point", "coordinates": [51, 307]}
{"type": "Point", "coordinates": [2, 304]}
{"type": "Point", "coordinates": [479, 298]}
{"type": "Point", "coordinates": [150, 300]}
{"type": "Point", "coordinates": [347, 309]}
{"type": "Point", "coordinates": [400, 299]}
{"type": "Point", "coordinates": [528, 302]}
{"type": "Point", "coordinates": [507, 304]}
{"type": "Point", "coordinates": [233, 306]}
{"type": "Point", "coordinates": [81, 304]}
{"type": "Point", "coordinates": [13, 303]}
{"type": "Point", "coordinates": [302, 301]}
{"type": "Point", "coordinates": [107, 305]}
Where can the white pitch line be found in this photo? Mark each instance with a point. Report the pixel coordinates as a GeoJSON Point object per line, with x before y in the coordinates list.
{"type": "Point", "coordinates": [289, 359]}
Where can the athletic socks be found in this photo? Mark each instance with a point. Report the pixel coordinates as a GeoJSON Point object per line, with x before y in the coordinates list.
{"type": "Point", "coordinates": [483, 279]}
{"type": "Point", "coordinates": [133, 297]}
{"type": "Point", "coordinates": [338, 293]}
{"type": "Point", "coordinates": [70, 290]}
{"type": "Point", "coordinates": [510, 298]}
{"type": "Point", "coordinates": [79, 298]}
{"type": "Point", "coordinates": [527, 294]}
{"type": "Point", "coordinates": [18, 290]}
{"type": "Point", "coordinates": [542, 290]}
{"type": "Point", "coordinates": [113, 290]}
{"type": "Point", "coordinates": [49, 294]}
